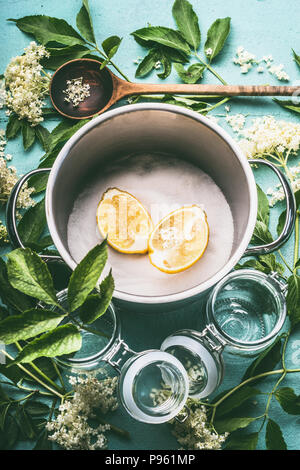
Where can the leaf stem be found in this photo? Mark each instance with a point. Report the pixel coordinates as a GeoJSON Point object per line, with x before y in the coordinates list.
{"type": "Point", "coordinates": [55, 392]}
{"type": "Point", "coordinates": [210, 68]}
{"type": "Point", "coordinates": [41, 373]}
{"type": "Point", "coordinates": [284, 261]}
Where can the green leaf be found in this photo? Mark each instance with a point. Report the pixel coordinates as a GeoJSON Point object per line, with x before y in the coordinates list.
{"type": "Point", "coordinates": [242, 442]}
{"type": "Point", "coordinates": [216, 37]}
{"type": "Point", "coordinates": [96, 305]}
{"type": "Point", "coordinates": [293, 299]}
{"type": "Point", "coordinates": [12, 373]}
{"type": "Point", "coordinates": [86, 275]}
{"type": "Point", "coordinates": [47, 29]}
{"type": "Point", "coordinates": [84, 22]}
{"type": "Point", "coordinates": [43, 136]}
{"type": "Point", "coordinates": [261, 233]}
{"type": "Point", "coordinates": [13, 126]}
{"type": "Point", "coordinates": [236, 399]}
{"type": "Point", "coordinates": [63, 340]}
{"type": "Point", "coordinates": [297, 265]}
{"type": "Point", "coordinates": [289, 401]}
{"type": "Point", "coordinates": [3, 313]}
{"type": "Point", "coordinates": [148, 63]}
{"type": "Point", "coordinates": [282, 217]}
{"type": "Point", "coordinates": [167, 67]}
{"type": "Point", "coordinates": [29, 274]}
{"type": "Point", "coordinates": [58, 56]}
{"type": "Point", "coordinates": [36, 408]}
{"type": "Point", "coordinates": [43, 442]}
{"type": "Point", "coordinates": [11, 432]}
{"type": "Point", "coordinates": [165, 36]}
{"type": "Point", "coordinates": [3, 414]}
{"type": "Point", "coordinates": [33, 223]}
{"type": "Point", "coordinates": [288, 104]}
{"type": "Point", "coordinates": [63, 131]}
{"type": "Point", "coordinates": [111, 45]}
{"type": "Point", "coordinates": [266, 361]}
{"type": "Point", "coordinates": [270, 263]}
{"type": "Point", "coordinates": [263, 209]}
{"type": "Point", "coordinates": [296, 58]}
{"type": "Point", "coordinates": [12, 296]}
{"type": "Point", "coordinates": [27, 325]}
{"type": "Point", "coordinates": [274, 437]}
{"type": "Point", "coordinates": [26, 424]}
{"type": "Point", "coordinates": [187, 22]}
{"type": "Point", "coordinates": [28, 134]}
{"type": "Point", "coordinates": [232, 424]}
{"type": "Point", "coordinates": [192, 74]}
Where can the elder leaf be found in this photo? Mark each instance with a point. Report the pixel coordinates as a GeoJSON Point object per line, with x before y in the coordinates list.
{"type": "Point", "coordinates": [216, 37]}
{"type": "Point", "coordinates": [296, 58]}
{"type": "Point", "coordinates": [242, 442]}
{"type": "Point", "coordinates": [266, 361]}
{"type": "Point", "coordinates": [10, 295]}
{"type": "Point", "coordinates": [84, 22]}
{"type": "Point", "coordinates": [288, 104]}
{"type": "Point", "coordinates": [236, 399]}
{"type": "Point", "coordinates": [86, 275]}
{"type": "Point", "coordinates": [274, 437]}
{"type": "Point", "coordinates": [27, 325]}
{"type": "Point", "coordinates": [148, 63]}
{"type": "Point", "coordinates": [33, 223]}
{"type": "Point", "coordinates": [63, 340]}
{"type": "Point", "coordinates": [165, 36]}
{"type": "Point", "coordinates": [192, 74]}
{"type": "Point", "coordinates": [60, 55]}
{"type": "Point", "coordinates": [47, 29]}
{"type": "Point", "coordinates": [187, 22]}
{"type": "Point", "coordinates": [13, 126]}
{"type": "Point", "coordinates": [111, 45]}
{"type": "Point", "coordinates": [96, 305]}
{"type": "Point", "coordinates": [289, 401]}
{"type": "Point", "coordinates": [28, 134]}
{"type": "Point", "coordinates": [29, 274]}
{"type": "Point", "coordinates": [232, 424]}
{"type": "Point", "coordinates": [293, 299]}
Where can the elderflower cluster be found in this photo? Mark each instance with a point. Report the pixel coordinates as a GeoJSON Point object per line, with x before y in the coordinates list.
{"type": "Point", "coordinates": [195, 433]}
{"type": "Point", "coordinates": [25, 84]}
{"type": "Point", "coordinates": [236, 122]}
{"type": "Point", "coordinates": [9, 177]}
{"type": "Point", "coordinates": [2, 94]}
{"type": "Point", "coordinates": [277, 194]}
{"type": "Point", "coordinates": [72, 428]}
{"type": "Point", "coordinates": [267, 136]}
{"type": "Point", "coordinates": [244, 59]}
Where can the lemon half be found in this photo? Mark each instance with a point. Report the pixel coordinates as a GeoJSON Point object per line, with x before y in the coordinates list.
{"type": "Point", "coordinates": [124, 221]}
{"type": "Point", "coordinates": [179, 239]}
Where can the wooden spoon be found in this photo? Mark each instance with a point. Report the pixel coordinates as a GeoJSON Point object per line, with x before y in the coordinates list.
{"type": "Point", "coordinates": [106, 89]}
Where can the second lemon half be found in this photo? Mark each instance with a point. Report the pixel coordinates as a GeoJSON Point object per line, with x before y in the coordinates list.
{"type": "Point", "coordinates": [179, 239]}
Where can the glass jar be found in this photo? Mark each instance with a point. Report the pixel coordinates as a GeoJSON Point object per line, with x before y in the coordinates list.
{"type": "Point", "coordinates": [142, 374]}
{"type": "Point", "coordinates": [245, 312]}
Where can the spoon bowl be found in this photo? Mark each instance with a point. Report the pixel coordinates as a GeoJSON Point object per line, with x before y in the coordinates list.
{"type": "Point", "coordinates": [101, 88]}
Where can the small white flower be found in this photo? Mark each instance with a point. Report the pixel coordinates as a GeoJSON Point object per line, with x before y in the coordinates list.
{"type": "Point", "coordinates": [209, 51]}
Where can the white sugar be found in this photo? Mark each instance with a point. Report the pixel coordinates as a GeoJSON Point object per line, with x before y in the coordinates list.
{"type": "Point", "coordinates": [162, 184]}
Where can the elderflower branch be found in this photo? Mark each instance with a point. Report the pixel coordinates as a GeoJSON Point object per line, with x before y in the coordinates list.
{"type": "Point", "coordinates": [96, 48]}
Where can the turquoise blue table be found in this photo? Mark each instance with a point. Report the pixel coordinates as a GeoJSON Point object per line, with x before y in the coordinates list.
{"type": "Point", "coordinates": [262, 27]}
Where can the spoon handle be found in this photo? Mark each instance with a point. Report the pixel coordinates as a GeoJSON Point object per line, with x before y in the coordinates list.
{"type": "Point", "coordinates": [222, 90]}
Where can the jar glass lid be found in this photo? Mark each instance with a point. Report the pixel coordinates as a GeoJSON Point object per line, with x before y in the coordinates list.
{"type": "Point", "coordinates": [153, 386]}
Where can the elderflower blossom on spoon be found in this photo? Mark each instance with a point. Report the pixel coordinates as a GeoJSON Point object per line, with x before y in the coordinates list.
{"type": "Point", "coordinates": [76, 91]}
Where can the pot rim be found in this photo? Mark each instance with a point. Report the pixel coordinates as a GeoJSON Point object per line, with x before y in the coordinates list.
{"type": "Point", "coordinates": [193, 291]}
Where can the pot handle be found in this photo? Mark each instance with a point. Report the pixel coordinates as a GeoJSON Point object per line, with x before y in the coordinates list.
{"type": "Point", "coordinates": [290, 214]}
{"type": "Point", "coordinates": [11, 223]}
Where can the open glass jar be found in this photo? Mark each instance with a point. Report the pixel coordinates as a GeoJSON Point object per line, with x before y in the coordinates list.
{"type": "Point", "coordinates": [244, 313]}
{"type": "Point", "coordinates": [141, 373]}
